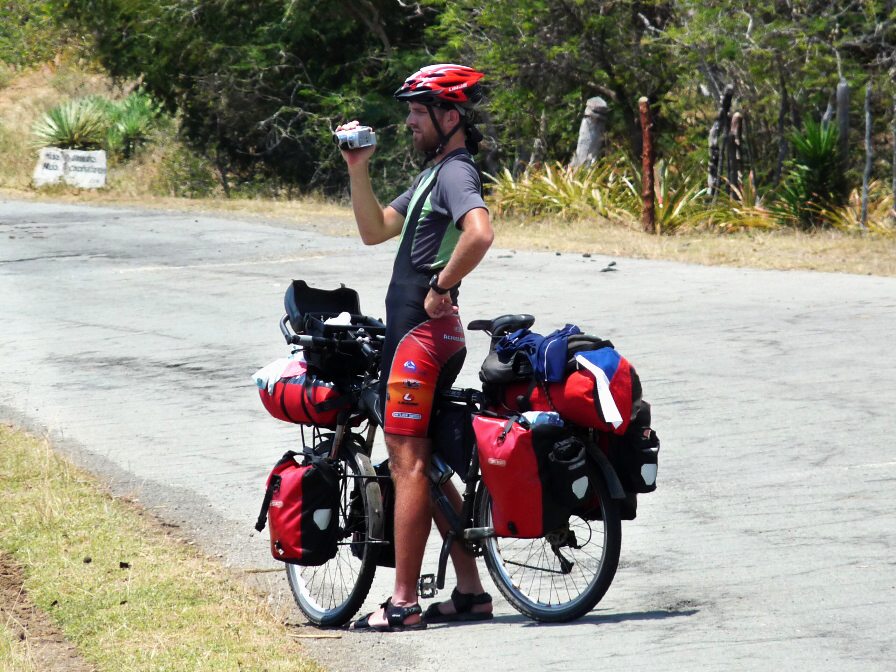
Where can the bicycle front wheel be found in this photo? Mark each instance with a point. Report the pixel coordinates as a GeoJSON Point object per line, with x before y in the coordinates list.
{"type": "Point", "coordinates": [330, 594]}
{"type": "Point", "coordinates": [562, 575]}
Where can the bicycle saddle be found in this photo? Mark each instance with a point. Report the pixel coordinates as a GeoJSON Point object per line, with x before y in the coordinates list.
{"type": "Point", "coordinates": [503, 324]}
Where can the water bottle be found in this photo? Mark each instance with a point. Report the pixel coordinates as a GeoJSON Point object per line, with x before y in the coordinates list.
{"type": "Point", "coordinates": [535, 418]}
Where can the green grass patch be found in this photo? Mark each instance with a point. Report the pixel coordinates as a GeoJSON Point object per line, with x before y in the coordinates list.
{"type": "Point", "coordinates": [127, 595]}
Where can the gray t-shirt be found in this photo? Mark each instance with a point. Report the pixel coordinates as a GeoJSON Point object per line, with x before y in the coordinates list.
{"type": "Point", "coordinates": [457, 190]}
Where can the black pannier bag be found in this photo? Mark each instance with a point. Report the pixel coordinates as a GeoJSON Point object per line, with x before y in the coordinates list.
{"type": "Point", "coordinates": [569, 470]}
{"type": "Point", "coordinates": [635, 454]}
{"type": "Point", "coordinates": [386, 556]}
{"type": "Point", "coordinates": [385, 547]}
{"type": "Point", "coordinates": [452, 435]}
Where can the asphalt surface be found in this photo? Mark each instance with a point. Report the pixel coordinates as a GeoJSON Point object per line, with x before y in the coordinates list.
{"type": "Point", "coordinates": [129, 337]}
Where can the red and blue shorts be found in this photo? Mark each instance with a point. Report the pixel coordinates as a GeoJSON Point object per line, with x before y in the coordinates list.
{"type": "Point", "coordinates": [420, 356]}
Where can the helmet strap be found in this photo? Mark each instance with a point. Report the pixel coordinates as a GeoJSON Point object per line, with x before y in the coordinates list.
{"type": "Point", "coordinates": [443, 138]}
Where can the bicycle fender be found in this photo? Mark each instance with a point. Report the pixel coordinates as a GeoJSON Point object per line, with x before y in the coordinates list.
{"type": "Point", "coordinates": [610, 477]}
{"type": "Point", "coordinates": [375, 519]}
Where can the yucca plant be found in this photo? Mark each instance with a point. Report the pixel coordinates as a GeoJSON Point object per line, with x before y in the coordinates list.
{"type": "Point", "coordinates": [815, 179]}
{"type": "Point", "coordinates": [881, 214]}
{"type": "Point", "coordinates": [744, 209]}
{"type": "Point", "coordinates": [132, 121]}
{"type": "Point", "coordinates": [564, 190]}
{"type": "Point", "coordinates": [75, 124]}
{"type": "Point", "coordinates": [679, 203]}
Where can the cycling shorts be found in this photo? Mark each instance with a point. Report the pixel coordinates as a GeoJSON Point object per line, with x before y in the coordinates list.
{"type": "Point", "coordinates": [420, 356]}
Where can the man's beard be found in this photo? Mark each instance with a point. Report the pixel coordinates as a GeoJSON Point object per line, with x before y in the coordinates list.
{"type": "Point", "coordinates": [425, 144]}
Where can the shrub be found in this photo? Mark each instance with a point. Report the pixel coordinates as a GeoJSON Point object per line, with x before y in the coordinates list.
{"type": "Point", "coordinates": [600, 189]}
{"type": "Point", "coordinates": [815, 181]}
{"type": "Point", "coordinates": [184, 174]}
{"type": "Point", "coordinates": [76, 124]}
{"type": "Point", "coordinates": [881, 213]}
{"type": "Point", "coordinates": [131, 122]}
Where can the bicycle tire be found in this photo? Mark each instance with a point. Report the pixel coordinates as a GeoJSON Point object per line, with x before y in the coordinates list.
{"type": "Point", "coordinates": [528, 574]}
{"type": "Point", "coordinates": [331, 593]}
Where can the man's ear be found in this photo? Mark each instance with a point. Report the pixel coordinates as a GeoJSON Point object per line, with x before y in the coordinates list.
{"type": "Point", "coordinates": [453, 117]}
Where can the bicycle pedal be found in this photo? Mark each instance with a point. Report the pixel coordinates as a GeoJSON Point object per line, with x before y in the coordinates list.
{"type": "Point", "coordinates": [426, 586]}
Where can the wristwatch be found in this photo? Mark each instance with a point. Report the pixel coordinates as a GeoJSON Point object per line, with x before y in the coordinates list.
{"type": "Point", "coordinates": [434, 285]}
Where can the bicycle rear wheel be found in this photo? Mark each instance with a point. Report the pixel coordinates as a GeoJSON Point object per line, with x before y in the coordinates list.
{"type": "Point", "coordinates": [563, 575]}
{"type": "Point", "coordinates": [330, 594]}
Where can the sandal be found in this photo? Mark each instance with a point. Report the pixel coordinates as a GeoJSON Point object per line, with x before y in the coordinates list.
{"type": "Point", "coordinates": [463, 608]}
{"type": "Point", "coordinates": [395, 618]}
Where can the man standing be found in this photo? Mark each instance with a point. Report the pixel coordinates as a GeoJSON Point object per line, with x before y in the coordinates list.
{"type": "Point", "coordinates": [445, 232]}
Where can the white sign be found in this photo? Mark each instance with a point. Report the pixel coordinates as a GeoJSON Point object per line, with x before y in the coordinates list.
{"type": "Point", "coordinates": [75, 167]}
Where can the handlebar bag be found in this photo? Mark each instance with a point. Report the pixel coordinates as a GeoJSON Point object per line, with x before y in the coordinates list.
{"type": "Point", "coordinates": [518, 478]}
{"type": "Point", "coordinates": [301, 507]}
{"type": "Point", "coordinates": [304, 398]}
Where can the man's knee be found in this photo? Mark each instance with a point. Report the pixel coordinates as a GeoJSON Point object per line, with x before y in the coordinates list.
{"type": "Point", "coordinates": [408, 456]}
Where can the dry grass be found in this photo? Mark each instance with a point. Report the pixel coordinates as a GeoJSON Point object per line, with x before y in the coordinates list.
{"type": "Point", "coordinates": [15, 653]}
{"type": "Point", "coordinates": [128, 596]}
{"type": "Point", "coordinates": [782, 249]}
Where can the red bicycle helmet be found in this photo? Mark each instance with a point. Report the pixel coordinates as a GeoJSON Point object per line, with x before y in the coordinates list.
{"type": "Point", "coordinates": [442, 84]}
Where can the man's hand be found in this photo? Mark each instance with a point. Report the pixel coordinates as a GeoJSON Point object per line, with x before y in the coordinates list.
{"type": "Point", "coordinates": [355, 157]}
{"type": "Point", "coordinates": [438, 305]}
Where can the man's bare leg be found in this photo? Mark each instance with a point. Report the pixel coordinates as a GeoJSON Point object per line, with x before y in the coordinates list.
{"type": "Point", "coordinates": [409, 464]}
{"type": "Point", "coordinates": [465, 568]}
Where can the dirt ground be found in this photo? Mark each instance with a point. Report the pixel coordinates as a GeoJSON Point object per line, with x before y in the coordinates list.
{"type": "Point", "coordinates": [47, 648]}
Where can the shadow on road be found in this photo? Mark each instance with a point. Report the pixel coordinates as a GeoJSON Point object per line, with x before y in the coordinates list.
{"type": "Point", "coordinates": [655, 615]}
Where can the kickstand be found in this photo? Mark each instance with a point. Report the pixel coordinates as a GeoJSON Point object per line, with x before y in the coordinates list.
{"type": "Point", "coordinates": [566, 565]}
{"type": "Point", "coordinates": [443, 558]}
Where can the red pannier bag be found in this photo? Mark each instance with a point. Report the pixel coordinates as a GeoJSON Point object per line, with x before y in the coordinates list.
{"type": "Point", "coordinates": [517, 478]}
{"type": "Point", "coordinates": [604, 393]}
{"type": "Point", "coordinates": [301, 507]}
{"type": "Point", "coordinates": [304, 398]}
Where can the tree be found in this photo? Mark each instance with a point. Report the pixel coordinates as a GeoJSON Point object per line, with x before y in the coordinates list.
{"type": "Point", "coordinates": [544, 59]}
{"type": "Point", "coordinates": [259, 85]}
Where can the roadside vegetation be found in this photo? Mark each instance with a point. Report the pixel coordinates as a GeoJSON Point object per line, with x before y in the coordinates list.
{"type": "Point", "coordinates": [123, 592]}
{"type": "Point", "coordinates": [237, 115]}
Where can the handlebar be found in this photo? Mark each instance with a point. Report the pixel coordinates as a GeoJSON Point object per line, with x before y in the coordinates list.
{"type": "Point", "coordinates": [308, 341]}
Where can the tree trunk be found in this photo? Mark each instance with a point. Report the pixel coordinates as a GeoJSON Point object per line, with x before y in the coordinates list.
{"type": "Point", "coordinates": [591, 132]}
{"type": "Point", "coordinates": [490, 155]}
{"type": "Point", "coordinates": [869, 157]}
{"type": "Point", "coordinates": [538, 147]}
{"type": "Point", "coordinates": [648, 220]}
{"type": "Point", "coordinates": [782, 125]}
{"type": "Point", "coordinates": [843, 122]}
{"type": "Point", "coordinates": [716, 153]}
{"type": "Point", "coordinates": [734, 143]}
{"type": "Point", "coordinates": [893, 210]}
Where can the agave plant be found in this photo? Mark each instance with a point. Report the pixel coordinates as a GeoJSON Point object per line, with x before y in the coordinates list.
{"type": "Point", "coordinates": [848, 217]}
{"type": "Point", "coordinates": [679, 203]}
{"type": "Point", "coordinates": [132, 121]}
{"type": "Point", "coordinates": [564, 190]}
{"type": "Point", "coordinates": [76, 124]}
{"type": "Point", "coordinates": [815, 181]}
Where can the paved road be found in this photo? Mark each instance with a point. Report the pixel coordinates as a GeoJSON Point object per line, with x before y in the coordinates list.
{"type": "Point", "coordinates": [130, 337]}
